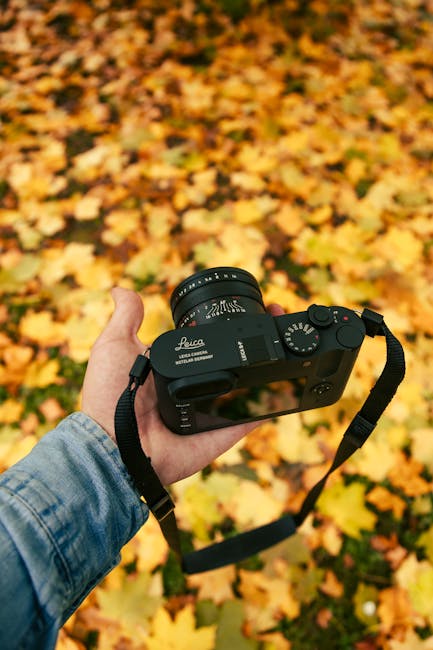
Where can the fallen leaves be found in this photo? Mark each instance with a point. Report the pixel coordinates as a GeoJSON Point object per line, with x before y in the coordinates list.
{"type": "Point", "coordinates": [291, 139]}
{"type": "Point", "coordinates": [180, 634]}
{"type": "Point", "coordinates": [345, 504]}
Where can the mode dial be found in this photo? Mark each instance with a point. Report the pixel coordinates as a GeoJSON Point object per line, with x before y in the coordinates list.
{"type": "Point", "coordinates": [302, 338]}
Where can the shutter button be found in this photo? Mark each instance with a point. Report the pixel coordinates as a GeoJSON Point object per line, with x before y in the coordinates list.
{"type": "Point", "coordinates": [350, 337]}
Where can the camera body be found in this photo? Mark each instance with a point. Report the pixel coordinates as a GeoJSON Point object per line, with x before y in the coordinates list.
{"type": "Point", "coordinates": [230, 362]}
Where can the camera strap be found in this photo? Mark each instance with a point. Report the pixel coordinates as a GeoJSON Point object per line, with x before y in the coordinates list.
{"type": "Point", "coordinates": [244, 545]}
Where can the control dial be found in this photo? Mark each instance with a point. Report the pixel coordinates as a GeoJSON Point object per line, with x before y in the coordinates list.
{"type": "Point", "coordinates": [302, 338]}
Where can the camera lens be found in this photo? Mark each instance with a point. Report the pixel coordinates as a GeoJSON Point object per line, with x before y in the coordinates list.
{"type": "Point", "coordinates": [222, 293]}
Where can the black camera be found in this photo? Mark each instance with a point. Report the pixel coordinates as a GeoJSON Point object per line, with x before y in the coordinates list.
{"type": "Point", "coordinates": [228, 361]}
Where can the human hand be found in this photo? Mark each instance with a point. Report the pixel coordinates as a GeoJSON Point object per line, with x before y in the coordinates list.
{"type": "Point", "coordinates": [173, 456]}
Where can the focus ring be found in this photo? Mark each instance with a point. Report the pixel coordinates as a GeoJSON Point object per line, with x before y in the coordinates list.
{"type": "Point", "coordinates": [210, 284]}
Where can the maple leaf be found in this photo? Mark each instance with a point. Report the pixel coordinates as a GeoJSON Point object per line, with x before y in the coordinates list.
{"type": "Point", "coordinates": [214, 585]}
{"type": "Point", "coordinates": [252, 505]}
{"type": "Point", "coordinates": [294, 444]}
{"type": "Point", "coordinates": [129, 601]}
{"type": "Point", "coordinates": [406, 475]}
{"type": "Point", "coordinates": [10, 411]}
{"type": "Point", "coordinates": [230, 628]}
{"type": "Point", "coordinates": [267, 598]}
{"type": "Point", "coordinates": [411, 641]}
{"type": "Point", "coordinates": [180, 633]}
{"type": "Point", "coordinates": [42, 328]}
{"type": "Point", "coordinates": [385, 500]}
{"type": "Point", "coordinates": [148, 547]}
{"type": "Point", "coordinates": [41, 373]}
{"type": "Point", "coordinates": [345, 504]}
{"type": "Point", "coordinates": [395, 610]}
{"type": "Point", "coordinates": [416, 579]}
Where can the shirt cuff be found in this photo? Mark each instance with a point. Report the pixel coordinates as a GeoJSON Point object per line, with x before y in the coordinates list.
{"type": "Point", "coordinates": [70, 506]}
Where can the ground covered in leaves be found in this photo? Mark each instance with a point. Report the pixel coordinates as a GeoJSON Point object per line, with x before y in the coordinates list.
{"type": "Point", "coordinates": [141, 141]}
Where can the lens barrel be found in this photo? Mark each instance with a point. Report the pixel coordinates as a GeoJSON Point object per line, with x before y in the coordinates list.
{"type": "Point", "coordinates": [223, 292]}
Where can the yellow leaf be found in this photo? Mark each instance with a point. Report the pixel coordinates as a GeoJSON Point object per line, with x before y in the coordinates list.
{"type": "Point", "coordinates": [81, 333]}
{"type": "Point", "coordinates": [58, 263]}
{"type": "Point", "coordinates": [87, 208]}
{"type": "Point", "coordinates": [385, 500]}
{"type": "Point", "coordinates": [355, 170]}
{"type": "Point", "coordinates": [373, 460]}
{"type": "Point", "coordinates": [395, 611]}
{"type": "Point", "coordinates": [24, 269]}
{"type": "Point", "coordinates": [247, 211]}
{"type": "Point", "coordinates": [214, 585]}
{"type": "Point", "coordinates": [256, 159]}
{"type": "Point", "coordinates": [400, 248]}
{"type": "Point", "coordinates": [157, 319]}
{"type": "Point", "coordinates": [422, 446]}
{"type": "Point", "coordinates": [294, 444]}
{"type": "Point", "coordinates": [331, 586]}
{"type": "Point", "coordinates": [10, 411]}
{"type": "Point", "coordinates": [30, 180]}
{"type": "Point", "coordinates": [346, 506]}
{"type": "Point", "coordinates": [129, 601]}
{"type": "Point", "coordinates": [42, 328]}
{"type": "Point", "coordinates": [41, 373]}
{"type": "Point", "coordinates": [149, 546]}
{"type": "Point", "coordinates": [99, 274]}
{"type": "Point", "coordinates": [160, 220]}
{"type": "Point", "coordinates": [200, 504]}
{"type": "Point", "coordinates": [297, 182]}
{"type": "Point", "coordinates": [416, 578]}
{"type": "Point", "coordinates": [17, 357]}
{"type": "Point", "coordinates": [206, 221]}
{"type": "Point", "coordinates": [235, 245]}
{"type": "Point", "coordinates": [247, 181]}
{"type": "Point", "coordinates": [147, 262]}
{"type": "Point", "coordinates": [180, 633]}
{"type": "Point", "coordinates": [19, 450]}
{"type": "Point", "coordinates": [320, 215]}
{"type": "Point", "coordinates": [411, 641]}
{"type": "Point", "coordinates": [275, 641]}
{"type": "Point", "coordinates": [311, 49]}
{"type": "Point", "coordinates": [289, 220]}
{"type": "Point", "coordinates": [252, 505]}
{"type": "Point", "coordinates": [267, 598]}
{"type": "Point", "coordinates": [406, 475]}
{"type": "Point", "coordinates": [120, 224]}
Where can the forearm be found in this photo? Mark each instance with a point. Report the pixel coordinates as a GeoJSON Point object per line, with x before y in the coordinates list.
{"type": "Point", "coordinates": [66, 510]}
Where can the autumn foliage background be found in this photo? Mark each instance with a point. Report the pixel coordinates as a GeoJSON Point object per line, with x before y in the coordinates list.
{"type": "Point", "coordinates": [141, 141]}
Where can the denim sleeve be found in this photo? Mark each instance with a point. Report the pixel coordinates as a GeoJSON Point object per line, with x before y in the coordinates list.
{"type": "Point", "coordinates": [66, 510]}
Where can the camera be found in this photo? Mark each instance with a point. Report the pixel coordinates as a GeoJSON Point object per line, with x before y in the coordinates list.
{"type": "Point", "coordinates": [228, 361]}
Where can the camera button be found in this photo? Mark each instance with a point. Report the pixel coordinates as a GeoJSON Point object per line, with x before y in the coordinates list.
{"type": "Point", "coordinates": [322, 389]}
{"type": "Point", "coordinates": [349, 337]}
{"type": "Point", "coordinates": [320, 316]}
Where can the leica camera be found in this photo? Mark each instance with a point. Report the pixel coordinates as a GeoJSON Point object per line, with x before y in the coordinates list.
{"type": "Point", "coordinates": [228, 361]}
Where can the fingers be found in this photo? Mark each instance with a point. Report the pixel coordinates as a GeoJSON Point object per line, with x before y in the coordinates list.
{"type": "Point", "coordinates": [275, 310]}
{"type": "Point", "coordinates": [127, 316]}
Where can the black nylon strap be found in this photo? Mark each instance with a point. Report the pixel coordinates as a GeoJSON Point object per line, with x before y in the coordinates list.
{"type": "Point", "coordinates": [365, 421]}
{"type": "Point", "coordinates": [240, 547]}
{"type": "Point", "coordinates": [246, 544]}
{"type": "Point", "coordinates": [138, 464]}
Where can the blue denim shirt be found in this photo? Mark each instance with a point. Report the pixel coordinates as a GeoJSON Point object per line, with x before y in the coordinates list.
{"type": "Point", "coordinates": [66, 510]}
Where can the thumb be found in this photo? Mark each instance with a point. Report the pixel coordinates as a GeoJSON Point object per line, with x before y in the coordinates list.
{"type": "Point", "coordinates": [127, 316]}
